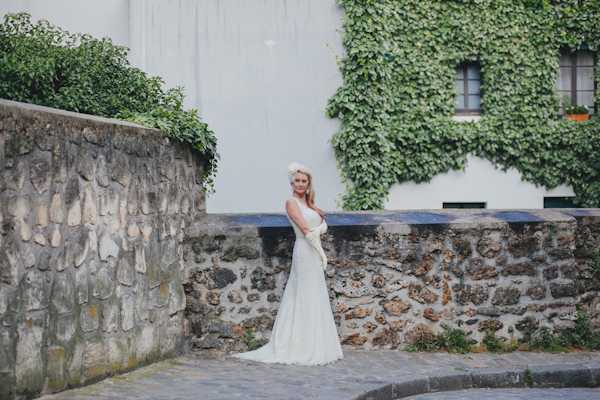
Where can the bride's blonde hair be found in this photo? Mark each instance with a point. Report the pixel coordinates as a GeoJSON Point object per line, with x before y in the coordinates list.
{"type": "Point", "coordinates": [293, 170]}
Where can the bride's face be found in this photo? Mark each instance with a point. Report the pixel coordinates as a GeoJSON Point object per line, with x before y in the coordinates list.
{"type": "Point", "coordinates": [300, 183]}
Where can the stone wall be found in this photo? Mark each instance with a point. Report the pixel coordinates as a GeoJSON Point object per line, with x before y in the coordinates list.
{"type": "Point", "coordinates": [393, 275]}
{"type": "Point", "coordinates": [92, 213]}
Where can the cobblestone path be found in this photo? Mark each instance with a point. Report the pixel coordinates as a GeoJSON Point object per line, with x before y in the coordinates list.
{"type": "Point", "coordinates": [201, 376]}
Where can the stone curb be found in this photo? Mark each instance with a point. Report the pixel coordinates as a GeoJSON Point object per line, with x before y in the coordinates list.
{"type": "Point", "coordinates": [544, 376]}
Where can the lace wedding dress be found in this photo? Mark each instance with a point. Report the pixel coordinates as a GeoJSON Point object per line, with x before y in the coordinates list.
{"type": "Point", "coordinates": [304, 331]}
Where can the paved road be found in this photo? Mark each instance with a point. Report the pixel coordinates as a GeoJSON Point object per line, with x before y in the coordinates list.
{"type": "Point", "coordinates": [202, 376]}
{"type": "Point", "coordinates": [514, 394]}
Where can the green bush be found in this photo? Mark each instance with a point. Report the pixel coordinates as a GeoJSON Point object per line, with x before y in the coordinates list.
{"type": "Point", "coordinates": [45, 65]}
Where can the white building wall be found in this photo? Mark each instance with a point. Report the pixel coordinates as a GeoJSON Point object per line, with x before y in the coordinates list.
{"type": "Point", "coordinates": [260, 73]}
{"type": "Point", "coordinates": [480, 182]}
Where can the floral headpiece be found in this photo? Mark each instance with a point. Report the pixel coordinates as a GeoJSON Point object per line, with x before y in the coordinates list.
{"type": "Point", "coordinates": [294, 168]}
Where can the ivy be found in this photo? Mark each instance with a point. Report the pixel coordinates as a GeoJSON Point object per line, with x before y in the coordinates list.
{"type": "Point", "coordinates": [397, 99]}
{"type": "Point", "coordinates": [45, 65]}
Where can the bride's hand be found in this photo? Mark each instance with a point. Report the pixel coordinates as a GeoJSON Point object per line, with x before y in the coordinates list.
{"type": "Point", "coordinates": [312, 235]}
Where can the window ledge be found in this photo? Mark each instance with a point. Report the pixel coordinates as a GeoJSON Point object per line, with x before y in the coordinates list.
{"type": "Point", "coordinates": [466, 118]}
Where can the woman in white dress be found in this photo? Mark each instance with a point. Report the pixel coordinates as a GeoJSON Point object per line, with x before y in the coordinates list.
{"type": "Point", "coordinates": [304, 331]}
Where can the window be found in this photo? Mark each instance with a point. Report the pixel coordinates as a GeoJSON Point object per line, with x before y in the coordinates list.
{"type": "Point", "coordinates": [468, 84]}
{"type": "Point", "coordinates": [576, 77]}
{"type": "Point", "coordinates": [464, 205]}
{"type": "Point", "coordinates": [558, 202]}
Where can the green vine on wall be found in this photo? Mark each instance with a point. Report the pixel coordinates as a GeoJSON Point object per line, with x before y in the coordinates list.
{"type": "Point", "coordinates": [397, 100]}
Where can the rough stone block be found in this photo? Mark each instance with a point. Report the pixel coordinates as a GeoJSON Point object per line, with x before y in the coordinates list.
{"type": "Point", "coordinates": [145, 343]}
{"type": "Point", "coordinates": [153, 267]}
{"type": "Point", "coordinates": [162, 197]}
{"type": "Point", "coordinates": [65, 327]}
{"type": "Point", "coordinates": [102, 172]}
{"type": "Point", "coordinates": [81, 247]}
{"type": "Point", "coordinates": [75, 364]}
{"type": "Point", "coordinates": [56, 209]}
{"type": "Point", "coordinates": [106, 246]}
{"type": "Point", "coordinates": [149, 203]}
{"type": "Point", "coordinates": [166, 165]}
{"type": "Point", "coordinates": [563, 289]}
{"type": "Point", "coordinates": [60, 160]}
{"type": "Point", "coordinates": [85, 165]}
{"type": "Point", "coordinates": [29, 365]}
{"type": "Point", "coordinates": [93, 239]}
{"type": "Point", "coordinates": [89, 205]}
{"type": "Point", "coordinates": [9, 262]}
{"type": "Point", "coordinates": [33, 290]}
{"type": "Point", "coordinates": [20, 205]}
{"type": "Point", "coordinates": [139, 257]}
{"type": "Point", "coordinates": [120, 171]}
{"type": "Point", "coordinates": [142, 299]}
{"type": "Point", "coordinates": [475, 294]}
{"type": "Point", "coordinates": [176, 293]}
{"type": "Point", "coordinates": [81, 285]}
{"type": "Point", "coordinates": [95, 360]}
{"type": "Point", "coordinates": [186, 204]}
{"type": "Point", "coordinates": [125, 268]}
{"type": "Point", "coordinates": [7, 356]}
{"type": "Point", "coordinates": [109, 203]}
{"type": "Point", "coordinates": [133, 199]}
{"type": "Point", "coordinates": [172, 339]}
{"type": "Point", "coordinates": [505, 296]}
{"type": "Point", "coordinates": [168, 254]}
{"type": "Point", "coordinates": [133, 230]}
{"type": "Point", "coordinates": [24, 228]}
{"type": "Point", "coordinates": [40, 175]}
{"type": "Point", "coordinates": [104, 285]}
{"type": "Point", "coordinates": [3, 299]}
{"type": "Point", "coordinates": [110, 315]}
{"type": "Point", "coordinates": [396, 306]}
{"type": "Point", "coordinates": [63, 293]}
{"type": "Point", "coordinates": [54, 236]}
{"type": "Point", "coordinates": [42, 216]}
{"type": "Point", "coordinates": [72, 200]}
{"type": "Point", "coordinates": [172, 202]}
{"type": "Point", "coordinates": [24, 140]}
{"type": "Point", "coordinates": [17, 178]}
{"type": "Point", "coordinates": [64, 258]}
{"type": "Point", "coordinates": [127, 314]}
{"type": "Point", "coordinates": [56, 373]}
{"type": "Point", "coordinates": [88, 318]}
{"type": "Point", "coordinates": [159, 296]}
{"type": "Point", "coordinates": [115, 350]}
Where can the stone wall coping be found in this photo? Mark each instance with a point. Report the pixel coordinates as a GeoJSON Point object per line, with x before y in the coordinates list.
{"type": "Point", "coordinates": [442, 218]}
{"type": "Point", "coordinates": [17, 110]}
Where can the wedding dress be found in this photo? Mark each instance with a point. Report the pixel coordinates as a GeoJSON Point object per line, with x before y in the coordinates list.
{"type": "Point", "coordinates": [304, 331]}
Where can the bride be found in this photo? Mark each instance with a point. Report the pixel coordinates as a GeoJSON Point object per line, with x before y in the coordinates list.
{"type": "Point", "coordinates": [304, 331]}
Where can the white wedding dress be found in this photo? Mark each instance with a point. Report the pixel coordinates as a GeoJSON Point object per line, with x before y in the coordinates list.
{"type": "Point", "coordinates": [304, 331]}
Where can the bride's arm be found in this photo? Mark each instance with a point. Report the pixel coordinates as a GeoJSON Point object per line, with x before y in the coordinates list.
{"type": "Point", "coordinates": [293, 210]}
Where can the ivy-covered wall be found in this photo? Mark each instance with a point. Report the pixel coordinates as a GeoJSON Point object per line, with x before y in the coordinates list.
{"type": "Point", "coordinates": [397, 100]}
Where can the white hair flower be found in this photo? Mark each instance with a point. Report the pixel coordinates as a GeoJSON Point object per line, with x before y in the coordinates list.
{"type": "Point", "coordinates": [294, 168]}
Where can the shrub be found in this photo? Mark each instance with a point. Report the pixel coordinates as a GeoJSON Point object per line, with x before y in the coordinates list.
{"type": "Point", "coordinates": [45, 65]}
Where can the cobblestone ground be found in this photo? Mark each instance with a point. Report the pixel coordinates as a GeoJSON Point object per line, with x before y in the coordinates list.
{"type": "Point", "coordinates": [201, 376]}
{"type": "Point", "coordinates": [514, 394]}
